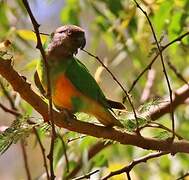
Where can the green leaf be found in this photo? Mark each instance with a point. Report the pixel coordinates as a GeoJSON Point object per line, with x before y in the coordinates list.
{"type": "Point", "coordinates": [129, 121]}
{"type": "Point", "coordinates": [70, 13]}
{"type": "Point", "coordinates": [162, 16]}
{"type": "Point", "coordinates": [30, 35]}
{"type": "Point", "coordinates": [100, 160]}
{"type": "Point", "coordinates": [115, 8]}
{"type": "Point", "coordinates": [174, 27]}
{"type": "Point", "coordinates": [27, 107]}
{"type": "Point", "coordinates": [58, 151]}
{"type": "Point", "coordinates": [3, 18]}
{"type": "Point", "coordinates": [19, 129]}
{"type": "Point", "coordinates": [102, 23]}
{"type": "Point", "coordinates": [163, 135]}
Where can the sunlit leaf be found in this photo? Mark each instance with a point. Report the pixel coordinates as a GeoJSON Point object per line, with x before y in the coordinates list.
{"type": "Point", "coordinates": [163, 135]}
{"type": "Point", "coordinates": [100, 160]}
{"type": "Point", "coordinates": [3, 18]}
{"type": "Point", "coordinates": [30, 35]}
{"type": "Point", "coordinates": [161, 17]}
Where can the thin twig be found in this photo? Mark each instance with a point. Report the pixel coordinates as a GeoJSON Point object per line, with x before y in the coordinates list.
{"type": "Point", "coordinates": [178, 74]}
{"type": "Point", "coordinates": [164, 69]}
{"type": "Point", "coordinates": [175, 40]}
{"type": "Point", "coordinates": [117, 81]}
{"type": "Point", "coordinates": [167, 129]}
{"type": "Point", "coordinates": [43, 152]}
{"type": "Point", "coordinates": [46, 34]}
{"type": "Point", "coordinates": [16, 113]}
{"type": "Point", "coordinates": [40, 47]}
{"type": "Point", "coordinates": [95, 149]}
{"type": "Point", "coordinates": [76, 138]}
{"type": "Point", "coordinates": [87, 176]}
{"type": "Point", "coordinates": [182, 177]}
{"type": "Point", "coordinates": [25, 160]}
{"type": "Point", "coordinates": [6, 93]}
{"type": "Point", "coordinates": [158, 125]}
{"type": "Point", "coordinates": [65, 152]}
{"type": "Point", "coordinates": [13, 112]}
{"type": "Point", "coordinates": [154, 59]}
{"type": "Point", "coordinates": [128, 176]}
{"type": "Point", "coordinates": [128, 168]}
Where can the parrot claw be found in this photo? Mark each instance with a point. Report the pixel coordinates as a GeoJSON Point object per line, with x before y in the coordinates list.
{"type": "Point", "coordinates": [68, 115]}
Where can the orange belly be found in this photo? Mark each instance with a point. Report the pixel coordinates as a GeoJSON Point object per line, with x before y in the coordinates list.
{"type": "Point", "coordinates": [63, 93]}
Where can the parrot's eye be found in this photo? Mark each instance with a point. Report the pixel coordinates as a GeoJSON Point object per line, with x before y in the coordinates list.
{"type": "Point", "coordinates": [69, 32]}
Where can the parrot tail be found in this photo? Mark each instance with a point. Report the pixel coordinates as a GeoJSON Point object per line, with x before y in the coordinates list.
{"type": "Point", "coordinates": [106, 118]}
{"type": "Point", "coordinates": [115, 105]}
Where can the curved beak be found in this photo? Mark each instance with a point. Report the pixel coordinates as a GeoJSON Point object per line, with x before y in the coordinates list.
{"type": "Point", "coordinates": [81, 41]}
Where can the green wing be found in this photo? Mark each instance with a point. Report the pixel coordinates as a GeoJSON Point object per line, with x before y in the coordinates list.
{"type": "Point", "coordinates": [84, 82]}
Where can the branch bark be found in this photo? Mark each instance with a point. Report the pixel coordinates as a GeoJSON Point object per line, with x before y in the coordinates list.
{"type": "Point", "coordinates": [128, 168]}
{"type": "Point", "coordinates": [24, 89]}
{"type": "Point", "coordinates": [179, 97]}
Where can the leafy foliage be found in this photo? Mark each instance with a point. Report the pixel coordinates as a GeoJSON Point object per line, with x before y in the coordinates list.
{"type": "Point", "coordinates": [119, 33]}
{"type": "Point", "coordinates": [19, 129]}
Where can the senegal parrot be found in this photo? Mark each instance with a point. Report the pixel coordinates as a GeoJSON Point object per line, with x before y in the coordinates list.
{"type": "Point", "coordinates": [73, 87]}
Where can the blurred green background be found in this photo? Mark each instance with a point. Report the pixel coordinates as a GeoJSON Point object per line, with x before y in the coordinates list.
{"type": "Point", "coordinates": [120, 35]}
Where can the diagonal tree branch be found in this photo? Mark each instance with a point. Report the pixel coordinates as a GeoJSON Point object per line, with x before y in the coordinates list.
{"type": "Point", "coordinates": [128, 168]}
{"type": "Point", "coordinates": [24, 89]}
{"type": "Point", "coordinates": [180, 96]}
{"type": "Point", "coordinates": [17, 114]}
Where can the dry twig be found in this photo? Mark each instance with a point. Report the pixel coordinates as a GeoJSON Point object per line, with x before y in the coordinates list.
{"type": "Point", "coordinates": [40, 47]}
{"type": "Point", "coordinates": [95, 149]}
{"type": "Point", "coordinates": [43, 152]}
{"type": "Point", "coordinates": [87, 176]}
{"type": "Point", "coordinates": [65, 153]}
{"type": "Point", "coordinates": [25, 160]}
{"type": "Point", "coordinates": [121, 86]}
{"type": "Point", "coordinates": [154, 59]}
{"type": "Point", "coordinates": [15, 112]}
{"type": "Point", "coordinates": [177, 73]}
{"type": "Point", "coordinates": [164, 69]}
{"type": "Point", "coordinates": [128, 168]}
{"type": "Point", "coordinates": [182, 177]}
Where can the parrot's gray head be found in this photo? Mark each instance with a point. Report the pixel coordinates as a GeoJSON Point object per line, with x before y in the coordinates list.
{"type": "Point", "coordinates": [66, 40]}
